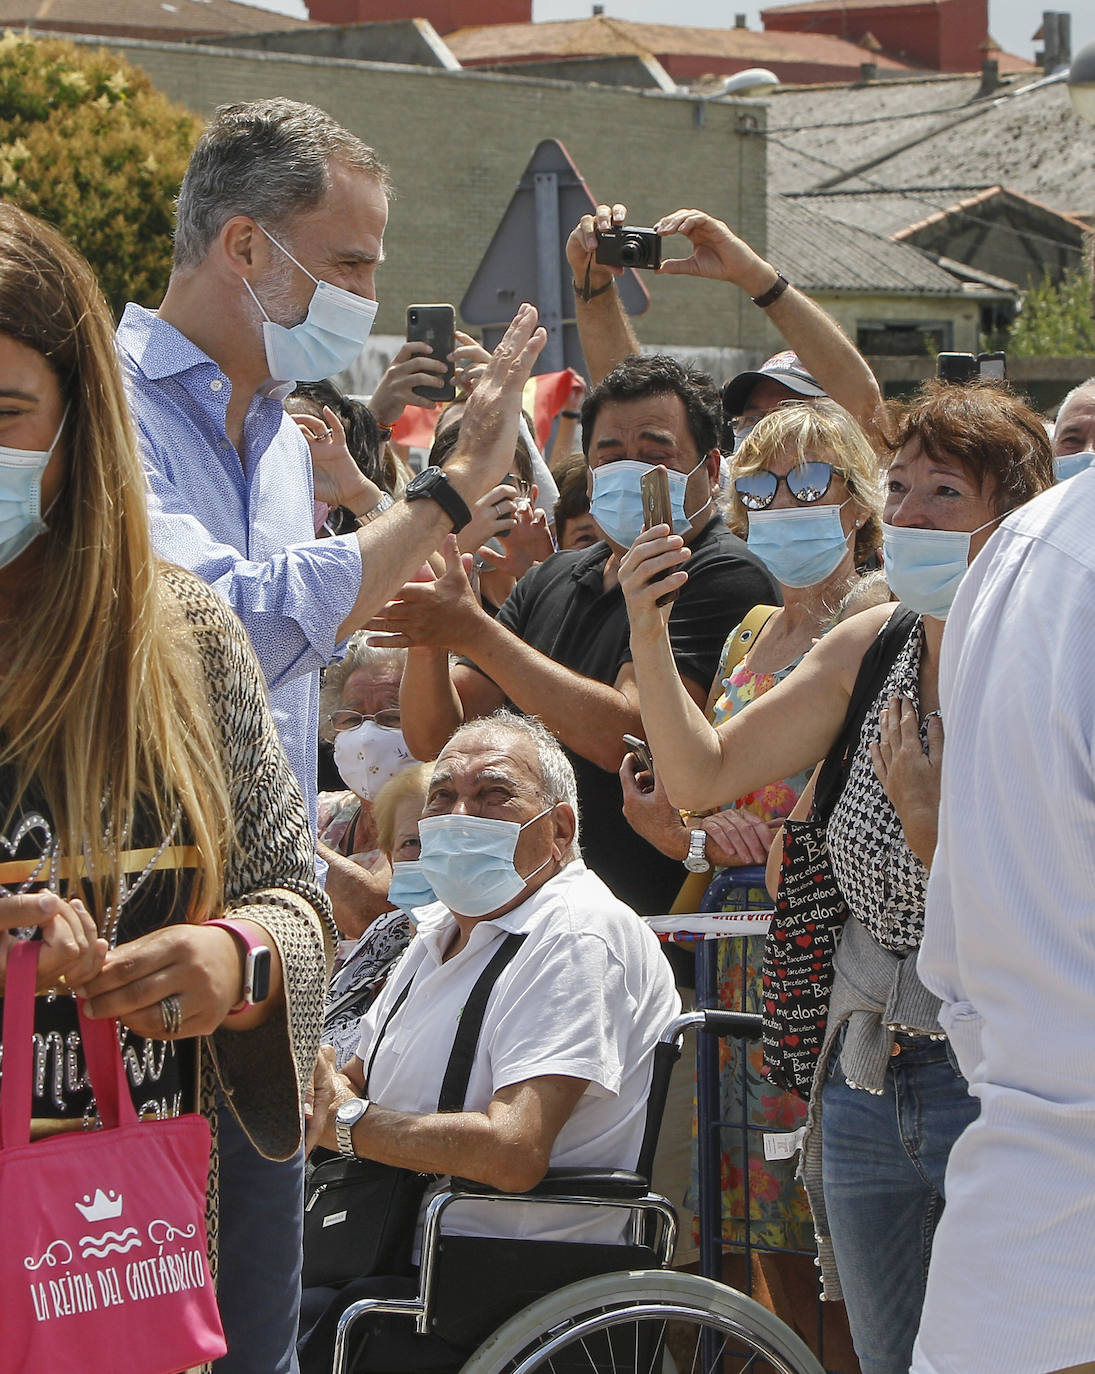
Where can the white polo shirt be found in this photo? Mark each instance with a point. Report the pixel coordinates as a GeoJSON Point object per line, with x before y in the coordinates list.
{"type": "Point", "coordinates": [586, 996]}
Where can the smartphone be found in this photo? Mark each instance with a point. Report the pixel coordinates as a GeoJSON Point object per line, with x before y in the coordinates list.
{"type": "Point", "coordinates": [435, 325]}
{"type": "Point", "coordinates": [963, 368]}
{"type": "Point", "coordinates": [642, 752]}
{"type": "Point", "coordinates": [993, 367]}
{"type": "Point", "coordinates": [657, 510]}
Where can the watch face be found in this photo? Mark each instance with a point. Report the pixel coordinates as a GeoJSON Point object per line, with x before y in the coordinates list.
{"type": "Point", "coordinates": [349, 1111]}
{"type": "Point", "coordinates": [259, 974]}
{"type": "Point", "coordinates": [425, 479]}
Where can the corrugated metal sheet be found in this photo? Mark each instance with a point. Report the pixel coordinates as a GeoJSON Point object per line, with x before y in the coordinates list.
{"type": "Point", "coordinates": [821, 255]}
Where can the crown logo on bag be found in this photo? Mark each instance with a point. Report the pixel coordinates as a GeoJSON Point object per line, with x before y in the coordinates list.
{"type": "Point", "coordinates": [102, 1207]}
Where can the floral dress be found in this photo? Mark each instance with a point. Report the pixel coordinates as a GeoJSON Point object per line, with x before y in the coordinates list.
{"type": "Point", "coordinates": [779, 1214]}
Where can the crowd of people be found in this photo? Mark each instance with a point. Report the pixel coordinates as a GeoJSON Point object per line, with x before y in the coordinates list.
{"type": "Point", "coordinates": [276, 703]}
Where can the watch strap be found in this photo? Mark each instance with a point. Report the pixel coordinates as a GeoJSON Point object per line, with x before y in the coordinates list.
{"type": "Point", "coordinates": [386, 502]}
{"type": "Point", "coordinates": [344, 1131]}
{"type": "Point", "coordinates": [697, 852]}
{"type": "Point", "coordinates": [773, 293]}
{"type": "Point", "coordinates": [252, 944]}
{"type": "Point", "coordinates": [438, 488]}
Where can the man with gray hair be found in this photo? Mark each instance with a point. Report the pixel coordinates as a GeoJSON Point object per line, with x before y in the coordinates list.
{"type": "Point", "coordinates": [564, 1059]}
{"type": "Point", "coordinates": [1074, 431]}
{"type": "Point", "coordinates": [280, 229]}
{"type": "Point", "coordinates": [279, 235]}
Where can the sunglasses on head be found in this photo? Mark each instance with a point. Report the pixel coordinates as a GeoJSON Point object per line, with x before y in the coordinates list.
{"type": "Point", "coordinates": [807, 483]}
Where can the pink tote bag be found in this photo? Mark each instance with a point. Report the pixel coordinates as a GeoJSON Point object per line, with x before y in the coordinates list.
{"type": "Point", "coordinates": [103, 1263]}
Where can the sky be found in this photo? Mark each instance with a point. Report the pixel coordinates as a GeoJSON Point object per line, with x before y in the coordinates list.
{"type": "Point", "coordinates": [1011, 22]}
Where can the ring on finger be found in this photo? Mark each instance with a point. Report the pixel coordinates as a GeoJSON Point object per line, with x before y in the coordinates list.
{"type": "Point", "coordinates": [171, 1014]}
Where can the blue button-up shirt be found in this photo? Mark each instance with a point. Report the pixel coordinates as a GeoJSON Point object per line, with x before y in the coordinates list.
{"type": "Point", "coordinates": [245, 527]}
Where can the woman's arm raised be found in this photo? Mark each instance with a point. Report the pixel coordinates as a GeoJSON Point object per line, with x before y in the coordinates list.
{"type": "Point", "coordinates": [787, 729]}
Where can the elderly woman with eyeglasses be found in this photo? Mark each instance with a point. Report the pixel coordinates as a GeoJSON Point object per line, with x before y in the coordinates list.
{"type": "Point", "coordinates": [359, 713]}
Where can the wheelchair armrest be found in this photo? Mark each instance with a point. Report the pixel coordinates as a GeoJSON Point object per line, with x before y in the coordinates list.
{"type": "Point", "coordinates": [570, 1182]}
{"type": "Point", "coordinates": [742, 1025]}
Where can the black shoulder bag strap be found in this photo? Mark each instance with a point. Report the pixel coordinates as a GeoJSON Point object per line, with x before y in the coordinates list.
{"type": "Point", "coordinates": [873, 671]}
{"type": "Point", "coordinates": [458, 1073]}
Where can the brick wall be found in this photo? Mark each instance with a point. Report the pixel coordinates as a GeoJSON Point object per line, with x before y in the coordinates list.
{"type": "Point", "coordinates": [457, 144]}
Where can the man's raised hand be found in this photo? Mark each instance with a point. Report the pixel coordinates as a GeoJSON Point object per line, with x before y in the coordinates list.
{"type": "Point", "coordinates": [488, 432]}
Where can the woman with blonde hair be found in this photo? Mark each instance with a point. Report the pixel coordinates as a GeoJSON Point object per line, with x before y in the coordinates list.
{"type": "Point", "coordinates": [806, 495]}
{"type": "Point", "coordinates": [154, 837]}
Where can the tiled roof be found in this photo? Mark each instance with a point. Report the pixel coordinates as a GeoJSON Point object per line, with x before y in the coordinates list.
{"type": "Point", "coordinates": [820, 255]}
{"type": "Point", "coordinates": [929, 132]}
{"type": "Point", "coordinates": [828, 6]}
{"type": "Point", "coordinates": [899, 214]}
{"type": "Point", "coordinates": [171, 17]}
{"type": "Point", "coordinates": [602, 36]}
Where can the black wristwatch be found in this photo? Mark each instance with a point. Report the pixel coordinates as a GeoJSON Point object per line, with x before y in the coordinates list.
{"type": "Point", "coordinates": [433, 483]}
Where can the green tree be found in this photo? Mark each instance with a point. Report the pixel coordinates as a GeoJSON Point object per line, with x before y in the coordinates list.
{"type": "Point", "coordinates": [88, 144]}
{"type": "Point", "coordinates": [1055, 321]}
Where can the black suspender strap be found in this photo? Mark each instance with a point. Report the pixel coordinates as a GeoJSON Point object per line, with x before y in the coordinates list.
{"type": "Point", "coordinates": [458, 1073]}
{"type": "Point", "coordinates": [380, 1033]}
{"type": "Point", "coordinates": [455, 1085]}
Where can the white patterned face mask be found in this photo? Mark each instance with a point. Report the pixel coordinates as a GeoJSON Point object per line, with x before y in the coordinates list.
{"type": "Point", "coordinates": [369, 756]}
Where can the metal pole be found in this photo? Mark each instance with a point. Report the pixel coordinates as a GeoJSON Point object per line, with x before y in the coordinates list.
{"type": "Point", "coordinates": [549, 279]}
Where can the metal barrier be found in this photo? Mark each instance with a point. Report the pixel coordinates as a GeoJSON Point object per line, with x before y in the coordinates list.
{"type": "Point", "coordinates": [711, 1123]}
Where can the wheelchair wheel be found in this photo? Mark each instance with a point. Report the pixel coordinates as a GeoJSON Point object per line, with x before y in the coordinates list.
{"type": "Point", "coordinates": [647, 1322]}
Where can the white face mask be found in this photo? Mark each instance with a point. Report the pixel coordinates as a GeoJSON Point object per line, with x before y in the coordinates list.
{"type": "Point", "coordinates": [326, 341]}
{"type": "Point", "coordinates": [368, 756]}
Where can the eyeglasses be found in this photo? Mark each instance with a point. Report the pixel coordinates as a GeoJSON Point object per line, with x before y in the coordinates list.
{"type": "Point", "coordinates": [512, 480]}
{"type": "Point", "coordinates": [807, 483]}
{"type": "Point", "coordinates": [388, 719]}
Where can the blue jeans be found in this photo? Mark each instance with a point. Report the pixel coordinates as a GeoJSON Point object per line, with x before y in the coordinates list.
{"type": "Point", "coordinates": [258, 1276]}
{"type": "Point", "coordinates": [883, 1161]}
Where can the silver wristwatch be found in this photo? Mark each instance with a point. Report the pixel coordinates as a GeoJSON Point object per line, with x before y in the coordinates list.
{"type": "Point", "coordinates": [386, 502]}
{"type": "Point", "coordinates": [696, 862]}
{"type": "Point", "coordinates": [346, 1118]}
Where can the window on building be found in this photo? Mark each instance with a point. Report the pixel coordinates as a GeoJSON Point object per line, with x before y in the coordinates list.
{"type": "Point", "coordinates": [904, 338]}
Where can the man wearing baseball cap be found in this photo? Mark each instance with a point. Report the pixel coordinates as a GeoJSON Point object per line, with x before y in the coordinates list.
{"type": "Point", "coordinates": [750, 396]}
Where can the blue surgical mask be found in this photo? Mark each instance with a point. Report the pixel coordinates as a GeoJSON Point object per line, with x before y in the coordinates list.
{"type": "Point", "coordinates": [617, 500]}
{"type": "Point", "coordinates": [468, 861]}
{"type": "Point", "coordinates": [409, 887]}
{"type": "Point", "coordinates": [326, 341]}
{"type": "Point", "coordinates": [1069, 464]}
{"type": "Point", "coordinates": [924, 568]}
{"type": "Point", "coordinates": [742, 431]}
{"type": "Point", "coordinates": [800, 546]}
{"type": "Point", "coordinates": [21, 519]}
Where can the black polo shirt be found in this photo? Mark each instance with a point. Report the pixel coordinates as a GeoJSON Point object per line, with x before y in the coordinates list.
{"type": "Point", "coordinates": [562, 609]}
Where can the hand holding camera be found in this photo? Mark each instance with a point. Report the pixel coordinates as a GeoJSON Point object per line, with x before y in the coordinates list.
{"type": "Point", "coordinates": [717, 252]}
{"type": "Point", "coordinates": [604, 245]}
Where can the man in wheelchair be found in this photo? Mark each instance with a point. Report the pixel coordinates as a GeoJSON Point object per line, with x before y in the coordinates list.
{"type": "Point", "coordinates": [560, 1072]}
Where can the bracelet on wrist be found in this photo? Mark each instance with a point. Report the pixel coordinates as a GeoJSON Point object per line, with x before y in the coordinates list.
{"type": "Point", "coordinates": [571, 414]}
{"type": "Point", "coordinates": [386, 502]}
{"type": "Point", "coordinates": [586, 292]}
{"type": "Point", "coordinates": [769, 297]}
